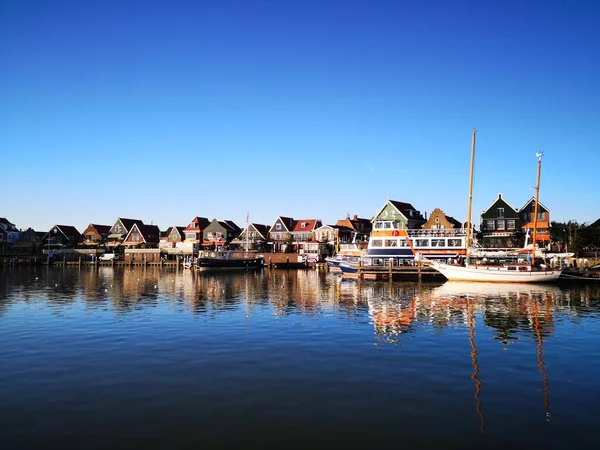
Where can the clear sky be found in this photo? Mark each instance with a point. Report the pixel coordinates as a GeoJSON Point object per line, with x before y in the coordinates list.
{"type": "Point", "coordinates": [164, 111]}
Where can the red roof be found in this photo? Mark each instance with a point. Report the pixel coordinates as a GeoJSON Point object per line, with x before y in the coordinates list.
{"type": "Point", "coordinates": [304, 225]}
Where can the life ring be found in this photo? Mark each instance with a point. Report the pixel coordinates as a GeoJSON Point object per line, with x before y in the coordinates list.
{"type": "Point", "coordinates": [395, 233]}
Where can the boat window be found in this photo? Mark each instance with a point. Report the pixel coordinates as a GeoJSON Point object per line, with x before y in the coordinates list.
{"type": "Point", "coordinates": [422, 242]}
{"type": "Point", "coordinates": [378, 225]}
{"type": "Point", "coordinates": [523, 269]}
{"type": "Point", "coordinates": [512, 268]}
{"type": "Point", "coordinates": [438, 242]}
{"type": "Point", "coordinates": [377, 261]}
{"type": "Point", "coordinates": [387, 225]}
{"type": "Point", "coordinates": [454, 242]}
{"type": "Point", "coordinates": [391, 243]}
{"type": "Point", "coordinates": [403, 243]}
{"type": "Point", "coordinates": [376, 243]}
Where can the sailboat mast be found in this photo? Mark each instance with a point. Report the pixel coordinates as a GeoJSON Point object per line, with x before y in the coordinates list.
{"type": "Point", "coordinates": [468, 243]}
{"type": "Point", "coordinates": [535, 208]}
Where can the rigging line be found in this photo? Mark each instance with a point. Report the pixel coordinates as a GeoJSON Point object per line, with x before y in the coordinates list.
{"type": "Point", "coordinates": [475, 365]}
{"type": "Point", "coordinates": [541, 363]}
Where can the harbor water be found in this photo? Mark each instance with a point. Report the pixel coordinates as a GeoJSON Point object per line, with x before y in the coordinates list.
{"type": "Point", "coordinates": [163, 358]}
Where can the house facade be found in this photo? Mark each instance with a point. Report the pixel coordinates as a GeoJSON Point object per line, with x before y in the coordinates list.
{"type": "Point", "coordinates": [172, 237]}
{"type": "Point", "coordinates": [280, 233]}
{"type": "Point", "coordinates": [30, 242]}
{"type": "Point", "coordinates": [219, 233]}
{"type": "Point", "coordinates": [9, 235]}
{"type": "Point", "coordinates": [194, 230]}
{"type": "Point", "coordinates": [254, 237]}
{"type": "Point", "coordinates": [500, 225]}
{"type": "Point", "coordinates": [526, 214]}
{"type": "Point", "coordinates": [120, 230]}
{"type": "Point", "coordinates": [95, 235]}
{"type": "Point", "coordinates": [404, 214]}
{"type": "Point", "coordinates": [360, 229]}
{"type": "Point", "coordinates": [61, 237]}
{"type": "Point", "coordinates": [440, 221]}
{"type": "Point", "coordinates": [142, 236]}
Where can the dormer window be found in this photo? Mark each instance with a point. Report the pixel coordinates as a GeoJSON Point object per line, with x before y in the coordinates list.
{"type": "Point", "coordinates": [303, 224]}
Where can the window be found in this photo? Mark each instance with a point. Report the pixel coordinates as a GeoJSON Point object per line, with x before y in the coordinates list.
{"type": "Point", "coordinates": [391, 243]}
{"type": "Point", "coordinates": [501, 225]}
{"type": "Point", "coordinates": [453, 242]}
{"type": "Point", "coordinates": [438, 242]}
{"type": "Point", "coordinates": [278, 226]}
{"type": "Point", "coordinates": [387, 225]}
{"type": "Point", "coordinates": [500, 212]}
{"type": "Point", "coordinates": [490, 225]}
{"type": "Point", "coordinates": [540, 215]}
{"type": "Point", "coordinates": [422, 242]}
{"type": "Point", "coordinates": [437, 220]}
{"type": "Point", "coordinates": [376, 243]}
{"type": "Point", "coordinates": [510, 224]}
{"type": "Point", "coordinates": [303, 225]}
{"type": "Point", "coordinates": [511, 268]}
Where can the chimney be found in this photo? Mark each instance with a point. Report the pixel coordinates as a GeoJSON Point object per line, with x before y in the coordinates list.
{"type": "Point", "coordinates": [355, 217]}
{"type": "Point", "coordinates": [500, 195]}
{"type": "Point", "coordinates": [425, 215]}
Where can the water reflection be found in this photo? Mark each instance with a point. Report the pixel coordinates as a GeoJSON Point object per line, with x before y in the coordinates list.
{"type": "Point", "coordinates": [472, 359]}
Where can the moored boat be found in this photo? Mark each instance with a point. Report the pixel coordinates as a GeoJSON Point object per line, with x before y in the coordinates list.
{"type": "Point", "coordinates": [523, 270]}
{"type": "Point", "coordinates": [228, 260]}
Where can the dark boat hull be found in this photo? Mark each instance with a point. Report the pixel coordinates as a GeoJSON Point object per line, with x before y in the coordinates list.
{"type": "Point", "coordinates": [229, 264]}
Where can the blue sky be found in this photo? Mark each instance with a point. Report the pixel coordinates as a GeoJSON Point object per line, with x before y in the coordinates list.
{"type": "Point", "coordinates": [312, 109]}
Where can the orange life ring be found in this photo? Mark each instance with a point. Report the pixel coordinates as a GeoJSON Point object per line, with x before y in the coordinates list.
{"type": "Point", "coordinates": [395, 233]}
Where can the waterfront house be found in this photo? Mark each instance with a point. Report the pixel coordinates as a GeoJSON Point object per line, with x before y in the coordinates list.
{"type": "Point", "coordinates": [9, 235]}
{"type": "Point", "coordinates": [95, 235]}
{"type": "Point", "coordinates": [303, 238]}
{"type": "Point", "coordinates": [526, 214]}
{"type": "Point", "coordinates": [280, 233]}
{"type": "Point", "coordinates": [120, 230]}
{"type": "Point", "coordinates": [194, 231]}
{"type": "Point", "coordinates": [440, 221]}
{"type": "Point", "coordinates": [171, 237]}
{"type": "Point", "coordinates": [30, 242]}
{"type": "Point", "coordinates": [404, 214]}
{"type": "Point", "coordinates": [500, 225]}
{"type": "Point", "coordinates": [219, 233]}
{"type": "Point", "coordinates": [360, 229]}
{"type": "Point", "coordinates": [253, 237]}
{"type": "Point", "coordinates": [142, 236]}
{"type": "Point", "coordinates": [61, 237]}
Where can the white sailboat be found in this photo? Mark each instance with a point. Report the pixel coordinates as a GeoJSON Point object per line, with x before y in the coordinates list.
{"type": "Point", "coordinates": [520, 271]}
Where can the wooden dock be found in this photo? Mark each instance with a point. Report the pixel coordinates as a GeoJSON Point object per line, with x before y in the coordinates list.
{"type": "Point", "coordinates": [406, 273]}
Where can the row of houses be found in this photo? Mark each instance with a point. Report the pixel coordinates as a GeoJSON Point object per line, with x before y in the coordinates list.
{"type": "Point", "coordinates": [501, 226]}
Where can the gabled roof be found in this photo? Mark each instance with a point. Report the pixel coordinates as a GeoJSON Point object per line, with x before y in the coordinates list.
{"type": "Point", "coordinates": [145, 232]}
{"type": "Point", "coordinates": [68, 231]}
{"type": "Point", "coordinates": [261, 229]}
{"type": "Point", "coordinates": [102, 229]}
{"type": "Point", "coordinates": [7, 225]}
{"type": "Point", "coordinates": [403, 208]}
{"type": "Point", "coordinates": [128, 223]}
{"type": "Point", "coordinates": [494, 202]}
{"type": "Point", "coordinates": [595, 224]}
{"type": "Point", "coordinates": [202, 223]}
{"type": "Point", "coordinates": [287, 222]}
{"type": "Point", "coordinates": [453, 221]}
{"type": "Point", "coordinates": [309, 225]}
{"type": "Point", "coordinates": [233, 226]}
{"type": "Point", "coordinates": [532, 199]}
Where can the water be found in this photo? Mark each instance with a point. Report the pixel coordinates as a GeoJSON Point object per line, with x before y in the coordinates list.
{"type": "Point", "coordinates": [153, 358]}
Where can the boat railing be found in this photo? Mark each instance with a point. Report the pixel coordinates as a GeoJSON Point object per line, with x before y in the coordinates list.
{"type": "Point", "coordinates": [436, 233]}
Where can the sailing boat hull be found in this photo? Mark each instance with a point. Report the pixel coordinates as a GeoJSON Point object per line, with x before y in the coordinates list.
{"type": "Point", "coordinates": [494, 274]}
